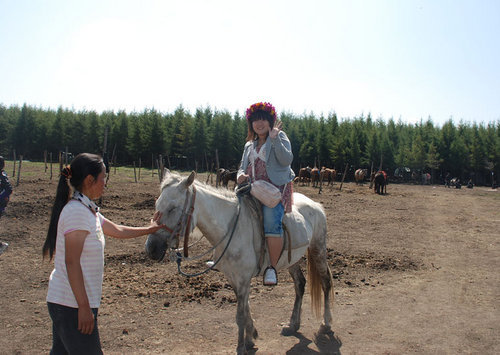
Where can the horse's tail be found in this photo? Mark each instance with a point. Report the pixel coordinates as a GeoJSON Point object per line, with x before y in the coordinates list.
{"type": "Point", "coordinates": [315, 282]}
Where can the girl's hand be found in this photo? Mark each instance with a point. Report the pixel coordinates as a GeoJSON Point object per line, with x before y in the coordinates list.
{"type": "Point", "coordinates": [242, 178]}
{"type": "Point", "coordinates": [155, 222]}
{"type": "Point", "coordinates": [273, 133]}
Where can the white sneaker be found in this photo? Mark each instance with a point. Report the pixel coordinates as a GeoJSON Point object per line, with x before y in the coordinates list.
{"type": "Point", "coordinates": [211, 264]}
{"type": "Point", "coordinates": [3, 247]}
{"type": "Point", "coordinates": [270, 277]}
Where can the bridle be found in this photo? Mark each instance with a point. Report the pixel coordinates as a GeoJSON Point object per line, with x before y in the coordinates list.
{"type": "Point", "coordinates": [183, 226]}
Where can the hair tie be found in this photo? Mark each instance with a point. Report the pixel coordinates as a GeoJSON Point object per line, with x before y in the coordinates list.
{"type": "Point", "coordinates": [66, 172]}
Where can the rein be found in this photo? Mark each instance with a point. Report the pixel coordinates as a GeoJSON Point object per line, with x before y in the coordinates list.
{"type": "Point", "coordinates": [184, 227]}
{"type": "Point", "coordinates": [179, 256]}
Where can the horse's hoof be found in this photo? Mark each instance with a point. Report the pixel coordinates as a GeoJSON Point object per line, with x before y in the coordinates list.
{"type": "Point", "coordinates": [249, 346]}
{"type": "Point", "coordinates": [323, 329]}
{"type": "Point", "coordinates": [290, 330]}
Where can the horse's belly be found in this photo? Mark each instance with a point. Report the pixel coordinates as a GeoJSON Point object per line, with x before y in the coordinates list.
{"type": "Point", "coordinates": [296, 226]}
{"type": "Point", "coordinates": [297, 254]}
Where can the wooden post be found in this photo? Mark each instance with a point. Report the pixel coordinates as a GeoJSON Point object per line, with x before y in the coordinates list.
{"type": "Point", "coordinates": [160, 167]}
{"type": "Point", "coordinates": [168, 161]}
{"type": "Point", "coordinates": [152, 165]}
{"type": "Point", "coordinates": [45, 160]}
{"type": "Point", "coordinates": [14, 161]}
{"type": "Point", "coordinates": [206, 162]}
{"type": "Point", "coordinates": [60, 161]}
{"type": "Point", "coordinates": [343, 176]}
{"type": "Point", "coordinates": [217, 166]}
{"type": "Point", "coordinates": [140, 163]}
{"type": "Point", "coordinates": [19, 169]}
{"type": "Point", "coordinates": [135, 175]}
{"type": "Point", "coordinates": [50, 165]}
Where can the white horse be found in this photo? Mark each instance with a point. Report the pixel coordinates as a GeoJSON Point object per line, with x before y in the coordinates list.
{"type": "Point", "coordinates": [232, 225]}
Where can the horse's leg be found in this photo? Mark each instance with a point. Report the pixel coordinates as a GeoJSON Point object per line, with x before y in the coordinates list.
{"type": "Point", "coordinates": [250, 331]}
{"type": "Point", "coordinates": [320, 267]}
{"type": "Point", "coordinates": [299, 282]}
{"type": "Point", "coordinates": [242, 315]}
{"type": "Point", "coordinates": [327, 285]}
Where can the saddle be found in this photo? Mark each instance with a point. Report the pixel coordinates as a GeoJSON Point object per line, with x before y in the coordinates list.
{"type": "Point", "coordinates": [292, 221]}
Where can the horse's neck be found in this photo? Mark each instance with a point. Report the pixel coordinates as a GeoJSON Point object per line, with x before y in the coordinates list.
{"type": "Point", "coordinates": [214, 214]}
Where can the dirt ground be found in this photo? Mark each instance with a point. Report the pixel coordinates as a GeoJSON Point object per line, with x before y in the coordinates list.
{"type": "Point", "coordinates": [415, 271]}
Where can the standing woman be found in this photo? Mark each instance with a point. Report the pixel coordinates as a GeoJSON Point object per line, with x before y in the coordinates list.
{"type": "Point", "coordinates": [267, 156]}
{"type": "Point", "coordinates": [76, 237]}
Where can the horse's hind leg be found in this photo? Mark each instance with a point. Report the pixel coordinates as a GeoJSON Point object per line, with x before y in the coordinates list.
{"type": "Point", "coordinates": [327, 285]}
{"type": "Point", "coordinates": [321, 275]}
{"type": "Point", "coordinates": [299, 283]}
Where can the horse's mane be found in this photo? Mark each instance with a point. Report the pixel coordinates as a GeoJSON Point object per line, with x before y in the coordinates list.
{"type": "Point", "coordinates": [174, 178]}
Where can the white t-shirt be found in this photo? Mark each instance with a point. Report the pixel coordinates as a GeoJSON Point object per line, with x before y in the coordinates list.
{"type": "Point", "coordinates": [76, 216]}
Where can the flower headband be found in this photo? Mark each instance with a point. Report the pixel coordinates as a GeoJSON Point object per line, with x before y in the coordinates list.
{"type": "Point", "coordinates": [261, 106]}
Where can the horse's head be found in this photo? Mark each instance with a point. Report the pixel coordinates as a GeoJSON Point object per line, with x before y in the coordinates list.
{"type": "Point", "coordinates": [173, 204]}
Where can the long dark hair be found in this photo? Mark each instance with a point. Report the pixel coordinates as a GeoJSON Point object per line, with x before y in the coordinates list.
{"type": "Point", "coordinates": [83, 165]}
{"type": "Point", "coordinates": [258, 115]}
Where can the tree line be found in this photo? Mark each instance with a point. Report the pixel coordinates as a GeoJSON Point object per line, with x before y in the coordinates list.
{"type": "Point", "coordinates": [192, 140]}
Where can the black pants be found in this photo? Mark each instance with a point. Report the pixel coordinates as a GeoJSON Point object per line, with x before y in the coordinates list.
{"type": "Point", "coordinates": [66, 338]}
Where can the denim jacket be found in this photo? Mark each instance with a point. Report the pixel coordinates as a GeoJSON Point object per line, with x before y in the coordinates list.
{"type": "Point", "coordinates": [278, 159]}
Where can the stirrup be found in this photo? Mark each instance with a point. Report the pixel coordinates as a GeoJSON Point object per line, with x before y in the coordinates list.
{"type": "Point", "coordinates": [270, 277]}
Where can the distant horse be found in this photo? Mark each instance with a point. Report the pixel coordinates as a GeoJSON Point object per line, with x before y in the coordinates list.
{"type": "Point", "coordinates": [380, 180]}
{"type": "Point", "coordinates": [359, 175]}
{"type": "Point", "coordinates": [315, 177]}
{"type": "Point", "coordinates": [328, 175]}
{"type": "Point", "coordinates": [235, 231]}
{"type": "Point", "coordinates": [304, 175]}
{"type": "Point", "coordinates": [229, 176]}
{"type": "Point", "coordinates": [225, 175]}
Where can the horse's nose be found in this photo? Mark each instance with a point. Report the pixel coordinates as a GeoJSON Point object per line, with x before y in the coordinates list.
{"type": "Point", "coordinates": [153, 250]}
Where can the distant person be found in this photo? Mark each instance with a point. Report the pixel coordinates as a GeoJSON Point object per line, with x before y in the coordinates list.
{"type": "Point", "coordinates": [76, 238]}
{"type": "Point", "coordinates": [5, 191]}
{"type": "Point", "coordinates": [447, 180]}
{"type": "Point", "coordinates": [470, 185]}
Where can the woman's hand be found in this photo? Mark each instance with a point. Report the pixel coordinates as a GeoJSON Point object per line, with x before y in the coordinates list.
{"type": "Point", "coordinates": [155, 222]}
{"type": "Point", "coordinates": [273, 133]}
{"type": "Point", "coordinates": [85, 320]}
{"type": "Point", "coordinates": [242, 178]}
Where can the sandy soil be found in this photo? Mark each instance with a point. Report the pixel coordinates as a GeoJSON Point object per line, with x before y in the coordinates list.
{"type": "Point", "coordinates": [415, 271]}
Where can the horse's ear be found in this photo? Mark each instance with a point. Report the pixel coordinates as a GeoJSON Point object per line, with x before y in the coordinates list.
{"type": "Point", "coordinates": [190, 179]}
{"type": "Point", "coordinates": [166, 173]}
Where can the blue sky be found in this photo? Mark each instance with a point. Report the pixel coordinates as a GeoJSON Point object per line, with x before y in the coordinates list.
{"type": "Point", "coordinates": [401, 59]}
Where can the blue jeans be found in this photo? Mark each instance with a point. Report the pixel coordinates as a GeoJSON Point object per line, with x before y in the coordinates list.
{"type": "Point", "coordinates": [66, 338]}
{"type": "Point", "coordinates": [272, 220]}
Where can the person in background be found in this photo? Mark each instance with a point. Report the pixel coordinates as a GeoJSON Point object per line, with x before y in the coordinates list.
{"type": "Point", "coordinates": [5, 191]}
{"type": "Point", "coordinates": [75, 239]}
{"type": "Point", "coordinates": [268, 156]}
